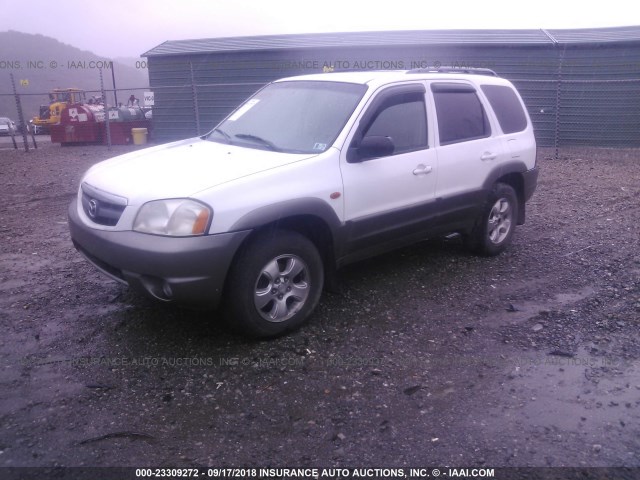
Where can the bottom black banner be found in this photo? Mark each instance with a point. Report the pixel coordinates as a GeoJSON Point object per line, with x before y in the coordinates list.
{"type": "Point", "coordinates": [172, 473]}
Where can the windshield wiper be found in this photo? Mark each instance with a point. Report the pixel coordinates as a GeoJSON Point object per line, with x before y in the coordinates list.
{"type": "Point", "coordinates": [266, 143]}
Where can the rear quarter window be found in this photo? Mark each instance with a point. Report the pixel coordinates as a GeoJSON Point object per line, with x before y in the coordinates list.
{"type": "Point", "coordinates": [507, 107]}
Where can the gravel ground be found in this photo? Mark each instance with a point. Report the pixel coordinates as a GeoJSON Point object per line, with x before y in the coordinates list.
{"type": "Point", "coordinates": [427, 356]}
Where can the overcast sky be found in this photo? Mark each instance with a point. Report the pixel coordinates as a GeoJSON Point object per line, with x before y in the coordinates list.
{"type": "Point", "coordinates": [118, 28]}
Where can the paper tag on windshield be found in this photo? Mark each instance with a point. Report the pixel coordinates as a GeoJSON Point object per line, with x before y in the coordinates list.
{"type": "Point", "coordinates": [243, 109]}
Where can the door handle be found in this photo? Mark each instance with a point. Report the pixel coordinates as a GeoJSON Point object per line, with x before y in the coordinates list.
{"type": "Point", "coordinates": [422, 169]}
{"type": "Point", "coordinates": [488, 156]}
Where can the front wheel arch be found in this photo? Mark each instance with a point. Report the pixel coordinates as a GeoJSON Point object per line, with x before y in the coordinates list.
{"type": "Point", "coordinates": [274, 283]}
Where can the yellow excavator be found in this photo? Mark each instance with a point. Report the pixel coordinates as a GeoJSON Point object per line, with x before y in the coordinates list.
{"type": "Point", "coordinates": [59, 99]}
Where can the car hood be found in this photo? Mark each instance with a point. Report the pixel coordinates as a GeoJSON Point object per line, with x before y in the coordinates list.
{"type": "Point", "coordinates": [181, 169]}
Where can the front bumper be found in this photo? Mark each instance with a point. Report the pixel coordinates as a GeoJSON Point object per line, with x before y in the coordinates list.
{"type": "Point", "coordinates": [184, 269]}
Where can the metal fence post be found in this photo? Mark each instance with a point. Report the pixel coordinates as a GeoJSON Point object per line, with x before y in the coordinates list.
{"type": "Point", "coordinates": [20, 115]}
{"type": "Point", "coordinates": [194, 93]}
{"type": "Point", "coordinates": [558, 99]}
{"type": "Point", "coordinates": [33, 138]}
{"type": "Point", "coordinates": [106, 111]}
{"type": "Point", "coordinates": [115, 90]}
{"type": "Point", "coordinates": [13, 139]}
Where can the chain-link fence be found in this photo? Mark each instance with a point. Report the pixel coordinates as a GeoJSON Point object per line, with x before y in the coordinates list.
{"type": "Point", "coordinates": [565, 112]}
{"type": "Point", "coordinates": [604, 113]}
{"type": "Point", "coordinates": [39, 113]}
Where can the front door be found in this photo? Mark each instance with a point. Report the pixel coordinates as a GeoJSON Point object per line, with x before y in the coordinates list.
{"type": "Point", "coordinates": [390, 197]}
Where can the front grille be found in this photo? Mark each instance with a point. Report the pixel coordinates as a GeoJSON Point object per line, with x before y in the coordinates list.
{"type": "Point", "coordinates": [101, 207]}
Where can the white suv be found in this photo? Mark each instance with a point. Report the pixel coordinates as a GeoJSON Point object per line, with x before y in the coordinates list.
{"type": "Point", "coordinates": [309, 174]}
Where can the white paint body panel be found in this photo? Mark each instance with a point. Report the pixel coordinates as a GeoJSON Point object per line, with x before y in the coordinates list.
{"type": "Point", "coordinates": [236, 180]}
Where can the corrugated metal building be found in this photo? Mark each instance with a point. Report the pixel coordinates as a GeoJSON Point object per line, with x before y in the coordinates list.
{"type": "Point", "coordinates": [582, 87]}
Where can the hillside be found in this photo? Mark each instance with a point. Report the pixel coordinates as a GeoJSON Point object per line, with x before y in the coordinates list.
{"type": "Point", "coordinates": [47, 63]}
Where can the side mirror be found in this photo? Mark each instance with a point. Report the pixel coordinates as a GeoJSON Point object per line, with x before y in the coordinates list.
{"type": "Point", "coordinates": [374, 146]}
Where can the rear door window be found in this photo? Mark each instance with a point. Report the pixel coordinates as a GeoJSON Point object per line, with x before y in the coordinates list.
{"type": "Point", "coordinates": [461, 116]}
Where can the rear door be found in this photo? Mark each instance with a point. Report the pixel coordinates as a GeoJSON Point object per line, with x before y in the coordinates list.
{"type": "Point", "coordinates": [468, 150]}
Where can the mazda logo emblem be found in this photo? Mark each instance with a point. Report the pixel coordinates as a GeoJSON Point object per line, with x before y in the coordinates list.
{"type": "Point", "coordinates": [93, 208]}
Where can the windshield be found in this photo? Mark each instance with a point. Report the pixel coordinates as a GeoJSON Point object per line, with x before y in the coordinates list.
{"type": "Point", "coordinates": [293, 117]}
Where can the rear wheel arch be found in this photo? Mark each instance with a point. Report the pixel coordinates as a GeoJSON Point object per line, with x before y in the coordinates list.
{"type": "Point", "coordinates": [510, 173]}
{"type": "Point", "coordinates": [495, 226]}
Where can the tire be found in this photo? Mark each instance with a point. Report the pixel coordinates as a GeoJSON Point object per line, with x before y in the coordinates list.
{"type": "Point", "coordinates": [493, 232]}
{"type": "Point", "coordinates": [274, 285]}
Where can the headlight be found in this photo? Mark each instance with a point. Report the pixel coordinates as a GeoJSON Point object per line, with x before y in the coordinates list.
{"type": "Point", "coordinates": [178, 217]}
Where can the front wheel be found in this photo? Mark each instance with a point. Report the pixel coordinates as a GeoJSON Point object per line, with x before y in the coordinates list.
{"type": "Point", "coordinates": [274, 284]}
{"type": "Point", "coordinates": [494, 229]}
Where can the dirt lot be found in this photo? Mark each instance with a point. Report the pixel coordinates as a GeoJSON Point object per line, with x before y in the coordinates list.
{"type": "Point", "coordinates": [428, 356]}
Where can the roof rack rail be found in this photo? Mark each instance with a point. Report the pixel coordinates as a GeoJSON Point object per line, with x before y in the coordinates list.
{"type": "Point", "coordinates": [471, 70]}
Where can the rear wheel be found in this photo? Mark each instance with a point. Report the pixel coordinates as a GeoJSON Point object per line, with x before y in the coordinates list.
{"type": "Point", "coordinates": [494, 229]}
{"type": "Point", "coordinates": [274, 285]}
